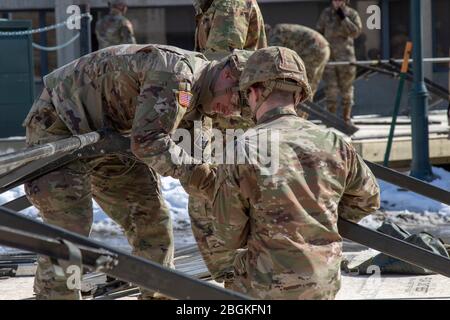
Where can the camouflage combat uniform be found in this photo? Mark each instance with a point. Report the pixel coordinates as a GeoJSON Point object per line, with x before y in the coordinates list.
{"type": "Point", "coordinates": [142, 90]}
{"type": "Point", "coordinates": [114, 29]}
{"type": "Point", "coordinates": [230, 24]}
{"type": "Point", "coordinates": [281, 207]}
{"type": "Point", "coordinates": [286, 223]}
{"type": "Point", "coordinates": [225, 25]}
{"type": "Point", "coordinates": [221, 26]}
{"type": "Point", "coordinates": [340, 34]}
{"type": "Point", "coordinates": [309, 44]}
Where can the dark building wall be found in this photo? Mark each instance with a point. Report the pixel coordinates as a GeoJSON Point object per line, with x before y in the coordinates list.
{"type": "Point", "coordinates": [180, 26]}
{"type": "Point", "coordinates": [305, 13]}
{"type": "Point", "coordinates": [373, 96]}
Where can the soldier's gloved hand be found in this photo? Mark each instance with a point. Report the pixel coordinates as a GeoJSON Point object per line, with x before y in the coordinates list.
{"type": "Point", "coordinates": [340, 13]}
{"type": "Point", "coordinates": [200, 181]}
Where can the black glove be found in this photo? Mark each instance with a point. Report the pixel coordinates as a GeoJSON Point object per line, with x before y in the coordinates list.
{"type": "Point", "coordinates": [340, 13]}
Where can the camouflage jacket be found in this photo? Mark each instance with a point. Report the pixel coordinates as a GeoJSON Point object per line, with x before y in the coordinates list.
{"type": "Point", "coordinates": [230, 24]}
{"type": "Point", "coordinates": [142, 90]}
{"type": "Point", "coordinates": [303, 40]}
{"type": "Point", "coordinates": [288, 220]}
{"type": "Point", "coordinates": [340, 33]}
{"type": "Point", "coordinates": [114, 29]}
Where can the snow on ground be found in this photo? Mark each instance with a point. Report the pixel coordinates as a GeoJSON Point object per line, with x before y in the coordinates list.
{"type": "Point", "coordinates": [398, 205]}
{"type": "Point", "coordinates": [8, 150]}
{"type": "Point", "coordinates": [408, 207]}
{"type": "Point", "coordinates": [104, 228]}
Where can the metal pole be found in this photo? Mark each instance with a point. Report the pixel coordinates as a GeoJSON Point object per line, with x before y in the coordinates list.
{"type": "Point", "coordinates": [420, 166]}
{"type": "Point", "coordinates": [85, 34]}
{"type": "Point", "coordinates": [48, 149]}
{"type": "Point", "coordinates": [398, 100]}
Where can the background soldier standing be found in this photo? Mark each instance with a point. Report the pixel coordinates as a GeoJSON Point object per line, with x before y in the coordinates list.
{"type": "Point", "coordinates": [340, 24]}
{"type": "Point", "coordinates": [286, 220]}
{"type": "Point", "coordinates": [114, 28]}
{"type": "Point", "coordinates": [224, 25]}
{"type": "Point", "coordinates": [142, 90]}
{"type": "Point", "coordinates": [221, 27]}
{"type": "Point", "coordinates": [309, 44]}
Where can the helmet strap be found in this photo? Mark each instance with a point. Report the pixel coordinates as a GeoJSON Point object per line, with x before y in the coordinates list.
{"type": "Point", "coordinates": [269, 86]}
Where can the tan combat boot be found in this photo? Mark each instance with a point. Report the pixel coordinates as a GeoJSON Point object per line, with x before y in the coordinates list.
{"type": "Point", "coordinates": [332, 108]}
{"type": "Point", "coordinates": [347, 114]}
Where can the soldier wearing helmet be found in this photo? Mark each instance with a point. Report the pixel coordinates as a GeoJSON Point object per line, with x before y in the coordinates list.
{"type": "Point", "coordinates": [221, 27]}
{"type": "Point", "coordinates": [284, 222]}
{"type": "Point", "coordinates": [340, 25]}
{"type": "Point", "coordinates": [114, 28]}
{"type": "Point", "coordinates": [147, 92]}
{"type": "Point", "coordinates": [308, 43]}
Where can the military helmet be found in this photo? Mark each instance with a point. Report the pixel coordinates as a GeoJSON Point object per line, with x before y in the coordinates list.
{"type": "Point", "coordinates": [276, 68]}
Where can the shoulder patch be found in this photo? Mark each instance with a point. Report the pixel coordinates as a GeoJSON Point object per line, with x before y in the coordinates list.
{"type": "Point", "coordinates": [184, 98]}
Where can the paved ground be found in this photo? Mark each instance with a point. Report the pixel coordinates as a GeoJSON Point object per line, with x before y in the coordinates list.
{"type": "Point", "coordinates": [353, 287]}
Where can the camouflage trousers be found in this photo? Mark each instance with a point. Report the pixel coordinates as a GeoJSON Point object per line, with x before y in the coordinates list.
{"type": "Point", "coordinates": [218, 258]}
{"type": "Point", "coordinates": [339, 79]}
{"type": "Point", "coordinates": [315, 66]}
{"type": "Point", "coordinates": [259, 281]}
{"type": "Point", "coordinates": [128, 191]}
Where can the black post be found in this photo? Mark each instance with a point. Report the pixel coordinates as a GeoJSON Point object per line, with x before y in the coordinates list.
{"type": "Point", "coordinates": [420, 167]}
{"type": "Point", "coordinates": [85, 32]}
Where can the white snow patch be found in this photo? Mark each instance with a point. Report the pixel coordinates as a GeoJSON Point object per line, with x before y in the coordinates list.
{"type": "Point", "coordinates": [394, 198]}
{"type": "Point", "coordinates": [400, 205]}
{"type": "Point", "coordinates": [14, 138]}
{"type": "Point", "coordinates": [175, 196]}
{"type": "Point", "coordinates": [6, 151]}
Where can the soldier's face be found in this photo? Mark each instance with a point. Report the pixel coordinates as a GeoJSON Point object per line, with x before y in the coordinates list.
{"type": "Point", "coordinates": [226, 104]}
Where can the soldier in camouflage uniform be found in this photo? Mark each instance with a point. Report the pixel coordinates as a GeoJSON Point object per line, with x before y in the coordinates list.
{"type": "Point", "coordinates": [285, 220]}
{"type": "Point", "coordinates": [340, 25]}
{"type": "Point", "coordinates": [309, 44]}
{"type": "Point", "coordinates": [114, 28]}
{"type": "Point", "coordinates": [224, 25]}
{"type": "Point", "coordinates": [221, 27]}
{"type": "Point", "coordinates": [142, 90]}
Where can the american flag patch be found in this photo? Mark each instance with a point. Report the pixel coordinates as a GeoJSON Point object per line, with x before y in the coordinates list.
{"type": "Point", "coordinates": [184, 98]}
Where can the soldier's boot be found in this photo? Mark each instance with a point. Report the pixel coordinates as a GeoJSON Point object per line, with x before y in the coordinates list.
{"type": "Point", "coordinates": [48, 285]}
{"type": "Point", "coordinates": [228, 280]}
{"type": "Point", "coordinates": [332, 108]}
{"type": "Point", "coordinates": [347, 114]}
{"type": "Point", "coordinates": [302, 114]}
